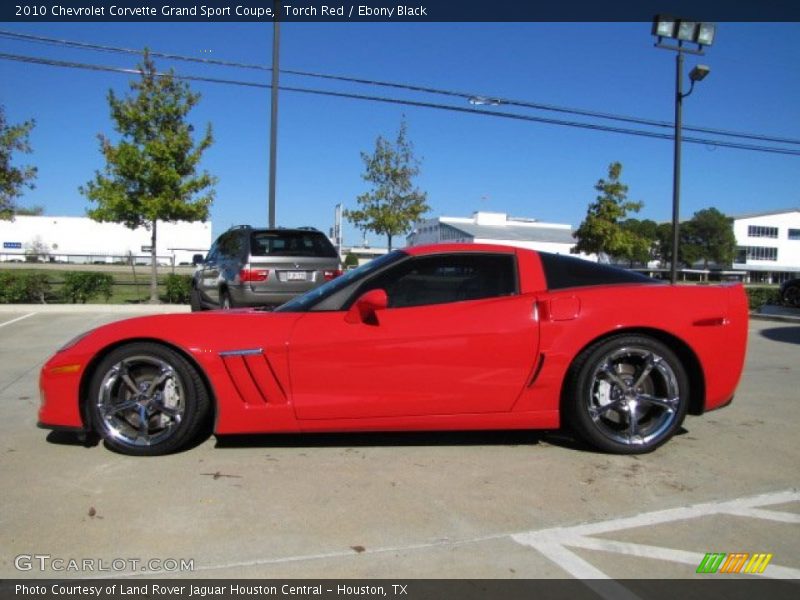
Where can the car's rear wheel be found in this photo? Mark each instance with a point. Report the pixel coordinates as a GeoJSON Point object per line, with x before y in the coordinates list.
{"type": "Point", "coordinates": [225, 302]}
{"type": "Point", "coordinates": [146, 399]}
{"type": "Point", "coordinates": [194, 300]}
{"type": "Point", "coordinates": [627, 394]}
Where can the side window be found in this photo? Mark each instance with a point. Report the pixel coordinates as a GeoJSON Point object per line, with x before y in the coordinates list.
{"type": "Point", "coordinates": [447, 278]}
{"type": "Point", "coordinates": [230, 246]}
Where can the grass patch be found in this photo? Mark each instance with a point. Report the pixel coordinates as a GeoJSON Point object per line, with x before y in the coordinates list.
{"type": "Point", "coordinates": [125, 288]}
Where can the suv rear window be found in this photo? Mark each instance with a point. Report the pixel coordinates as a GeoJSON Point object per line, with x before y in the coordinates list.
{"type": "Point", "coordinates": [291, 243]}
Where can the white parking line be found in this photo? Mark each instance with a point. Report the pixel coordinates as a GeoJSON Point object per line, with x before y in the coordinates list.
{"type": "Point", "coordinates": [555, 543]}
{"type": "Point", "coordinates": [17, 319]}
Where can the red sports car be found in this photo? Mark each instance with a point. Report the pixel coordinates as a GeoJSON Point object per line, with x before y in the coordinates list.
{"type": "Point", "coordinates": [436, 337]}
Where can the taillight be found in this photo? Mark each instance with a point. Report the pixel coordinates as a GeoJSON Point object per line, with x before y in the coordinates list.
{"type": "Point", "coordinates": [331, 274]}
{"type": "Point", "coordinates": [249, 275]}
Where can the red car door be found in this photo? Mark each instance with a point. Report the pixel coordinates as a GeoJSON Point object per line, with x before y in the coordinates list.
{"type": "Point", "coordinates": [459, 357]}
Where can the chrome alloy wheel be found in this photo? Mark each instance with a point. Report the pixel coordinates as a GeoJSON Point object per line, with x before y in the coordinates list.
{"type": "Point", "coordinates": [140, 400]}
{"type": "Point", "coordinates": [634, 396]}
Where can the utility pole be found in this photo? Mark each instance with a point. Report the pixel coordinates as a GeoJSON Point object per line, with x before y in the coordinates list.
{"type": "Point", "coordinates": [273, 128]}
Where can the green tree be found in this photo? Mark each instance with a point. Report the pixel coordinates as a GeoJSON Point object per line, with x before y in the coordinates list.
{"type": "Point", "coordinates": [13, 138]}
{"type": "Point", "coordinates": [350, 261]}
{"type": "Point", "coordinates": [601, 231]}
{"type": "Point", "coordinates": [151, 173]}
{"type": "Point", "coordinates": [643, 248]}
{"type": "Point", "coordinates": [394, 203]}
{"type": "Point", "coordinates": [708, 237]}
{"type": "Point", "coordinates": [663, 247]}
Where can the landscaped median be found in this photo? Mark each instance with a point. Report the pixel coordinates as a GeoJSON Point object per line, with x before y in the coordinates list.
{"type": "Point", "coordinates": [44, 286]}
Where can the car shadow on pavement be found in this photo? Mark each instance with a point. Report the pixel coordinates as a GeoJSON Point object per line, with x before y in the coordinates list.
{"type": "Point", "coordinates": [787, 335]}
{"type": "Point", "coordinates": [382, 439]}
{"type": "Point", "coordinates": [403, 439]}
{"type": "Point", "coordinates": [68, 438]}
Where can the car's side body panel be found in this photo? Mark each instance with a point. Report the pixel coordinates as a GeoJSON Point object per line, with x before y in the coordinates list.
{"type": "Point", "coordinates": [463, 357]}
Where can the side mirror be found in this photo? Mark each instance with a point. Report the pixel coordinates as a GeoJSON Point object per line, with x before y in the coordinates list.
{"type": "Point", "coordinates": [197, 259]}
{"type": "Point", "coordinates": [364, 310]}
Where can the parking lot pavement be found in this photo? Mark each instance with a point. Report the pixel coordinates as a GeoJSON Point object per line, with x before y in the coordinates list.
{"type": "Point", "coordinates": [452, 505]}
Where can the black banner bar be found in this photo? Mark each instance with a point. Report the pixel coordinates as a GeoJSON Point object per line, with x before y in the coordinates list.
{"type": "Point", "coordinates": [707, 588]}
{"type": "Point", "coordinates": [395, 10]}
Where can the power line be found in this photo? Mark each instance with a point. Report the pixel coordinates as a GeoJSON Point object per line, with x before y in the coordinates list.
{"type": "Point", "coordinates": [497, 100]}
{"type": "Point", "coordinates": [415, 103]}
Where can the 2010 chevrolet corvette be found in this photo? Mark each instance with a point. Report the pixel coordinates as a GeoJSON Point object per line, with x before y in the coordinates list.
{"type": "Point", "coordinates": [443, 337]}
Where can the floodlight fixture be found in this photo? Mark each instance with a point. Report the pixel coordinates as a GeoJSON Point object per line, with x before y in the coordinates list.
{"type": "Point", "coordinates": [687, 31]}
{"type": "Point", "coordinates": [683, 31]}
{"type": "Point", "coordinates": [705, 34]}
{"type": "Point", "coordinates": [664, 26]}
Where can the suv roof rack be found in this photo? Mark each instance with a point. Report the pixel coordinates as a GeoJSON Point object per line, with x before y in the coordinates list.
{"type": "Point", "coordinates": [302, 228]}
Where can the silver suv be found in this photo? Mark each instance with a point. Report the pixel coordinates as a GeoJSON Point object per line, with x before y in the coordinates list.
{"type": "Point", "coordinates": [263, 267]}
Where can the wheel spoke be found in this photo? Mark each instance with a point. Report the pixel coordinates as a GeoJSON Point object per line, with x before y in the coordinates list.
{"type": "Point", "coordinates": [165, 374]}
{"type": "Point", "coordinates": [172, 413]}
{"type": "Point", "coordinates": [595, 412]}
{"type": "Point", "coordinates": [609, 371]}
{"type": "Point", "coordinates": [114, 409]}
{"type": "Point", "coordinates": [124, 374]}
{"type": "Point", "coordinates": [633, 426]}
{"type": "Point", "coordinates": [669, 404]}
{"type": "Point", "coordinates": [143, 422]}
{"type": "Point", "coordinates": [650, 362]}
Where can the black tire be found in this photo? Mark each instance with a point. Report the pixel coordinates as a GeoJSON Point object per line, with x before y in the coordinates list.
{"type": "Point", "coordinates": [627, 394]}
{"type": "Point", "coordinates": [791, 296]}
{"type": "Point", "coordinates": [194, 300]}
{"type": "Point", "coordinates": [146, 400]}
{"type": "Point", "coordinates": [225, 302]}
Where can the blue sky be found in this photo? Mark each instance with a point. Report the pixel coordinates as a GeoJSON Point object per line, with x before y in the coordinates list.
{"type": "Point", "coordinates": [469, 162]}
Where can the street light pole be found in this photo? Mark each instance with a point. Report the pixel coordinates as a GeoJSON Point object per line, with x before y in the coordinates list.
{"type": "Point", "coordinates": [678, 32]}
{"type": "Point", "coordinates": [273, 127]}
{"type": "Point", "coordinates": [676, 168]}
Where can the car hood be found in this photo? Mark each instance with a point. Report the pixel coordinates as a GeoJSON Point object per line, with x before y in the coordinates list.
{"type": "Point", "coordinates": [195, 333]}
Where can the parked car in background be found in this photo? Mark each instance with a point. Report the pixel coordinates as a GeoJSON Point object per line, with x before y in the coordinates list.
{"type": "Point", "coordinates": [790, 292]}
{"type": "Point", "coordinates": [247, 266]}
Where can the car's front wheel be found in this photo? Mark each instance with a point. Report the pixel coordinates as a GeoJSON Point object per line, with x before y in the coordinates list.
{"type": "Point", "coordinates": [627, 394]}
{"type": "Point", "coordinates": [146, 400]}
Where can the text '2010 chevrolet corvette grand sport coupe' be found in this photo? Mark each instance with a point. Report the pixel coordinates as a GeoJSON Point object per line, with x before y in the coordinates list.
{"type": "Point", "coordinates": [443, 337]}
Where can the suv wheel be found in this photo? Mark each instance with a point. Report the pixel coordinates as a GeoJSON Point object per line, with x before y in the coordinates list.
{"type": "Point", "coordinates": [225, 302]}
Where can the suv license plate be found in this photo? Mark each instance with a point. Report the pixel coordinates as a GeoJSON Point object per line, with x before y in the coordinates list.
{"type": "Point", "coordinates": [296, 276]}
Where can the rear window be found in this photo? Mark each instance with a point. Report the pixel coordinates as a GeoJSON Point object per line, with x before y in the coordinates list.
{"type": "Point", "coordinates": [569, 271]}
{"type": "Point", "coordinates": [291, 243]}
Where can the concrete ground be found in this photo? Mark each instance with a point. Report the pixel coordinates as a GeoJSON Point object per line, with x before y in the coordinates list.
{"type": "Point", "coordinates": [438, 505]}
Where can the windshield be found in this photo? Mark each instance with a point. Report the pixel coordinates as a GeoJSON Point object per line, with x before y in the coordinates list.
{"type": "Point", "coordinates": [309, 299]}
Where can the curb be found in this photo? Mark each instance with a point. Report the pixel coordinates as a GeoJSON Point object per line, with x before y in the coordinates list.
{"type": "Point", "coordinates": [777, 318]}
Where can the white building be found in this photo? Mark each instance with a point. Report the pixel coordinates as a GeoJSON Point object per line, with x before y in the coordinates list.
{"type": "Point", "coordinates": [494, 228]}
{"type": "Point", "coordinates": [768, 245]}
{"type": "Point", "coordinates": [82, 240]}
